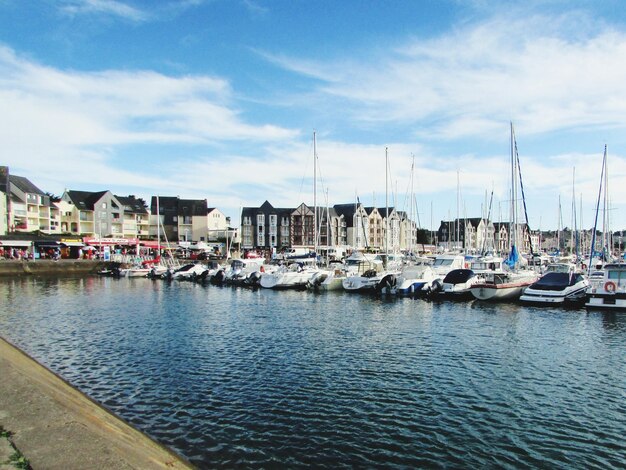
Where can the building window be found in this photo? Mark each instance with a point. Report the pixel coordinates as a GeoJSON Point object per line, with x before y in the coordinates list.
{"type": "Point", "coordinates": [104, 205]}
{"type": "Point", "coordinates": [260, 219]}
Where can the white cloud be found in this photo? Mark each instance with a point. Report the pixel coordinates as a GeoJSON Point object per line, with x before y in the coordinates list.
{"type": "Point", "coordinates": [108, 7]}
{"type": "Point", "coordinates": [72, 127]}
{"type": "Point", "coordinates": [532, 70]}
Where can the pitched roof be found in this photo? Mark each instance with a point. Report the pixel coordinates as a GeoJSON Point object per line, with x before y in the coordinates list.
{"type": "Point", "coordinates": [192, 207]}
{"type": "Point", "coordinates": [25, 185]}
{"type": "Point", "coordinates": [132, 204]}
{"type": "Point", "coordinates": [166, 204]}
{"type": "Point", "coordinates": [347, 210]}
{"type": "Point", "coordinates": [84, 200]}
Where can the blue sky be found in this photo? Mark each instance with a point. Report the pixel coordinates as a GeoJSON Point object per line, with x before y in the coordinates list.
{"type": "Point", "coordinates": [218, 99]}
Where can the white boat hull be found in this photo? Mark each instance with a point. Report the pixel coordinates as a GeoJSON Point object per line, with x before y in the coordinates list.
{"type": "Point", "coordinates": [360, 283]}
{"type": "Point", "coordinates": [498, 292]}
{"type": "Point", "coordinates": [503, 286]}
{"type": "Point", "coordinates": [602, 301]}
{"type": "Point", "coordinates": [576, 294]}
{"type": "Point", "coordinates": [286, 280]}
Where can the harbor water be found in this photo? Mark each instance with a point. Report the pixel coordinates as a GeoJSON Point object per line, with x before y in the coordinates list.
{"type": "Point", "coordinates": [230, 377]}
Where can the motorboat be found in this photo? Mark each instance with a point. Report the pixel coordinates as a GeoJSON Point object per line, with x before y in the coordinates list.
{"type": "Point", "coordinates": [329, 278]}
{"type": "Point", "coordinates": [557, 287]}
{"type": "Point", "coordinates": [457, 283]}
{"type": "Point", "coordinates": [503, 285]}
{"type": "Point", "coordinates": [238, 271]}
{"type": "Point", "coordinates": [190, 272]}
{"type": "Point", "coordinates": [416, 280]}
{"type": "Point", "coordinates": [332, 277]}
{"type": "Point", "coordinates": [290, 276]}
{"type": "Point", "coordinates": [445, 263]}
{"type": "Point", "coordinates": [611, 293]}
{"type": "Point", "coordinates": [362, 282]}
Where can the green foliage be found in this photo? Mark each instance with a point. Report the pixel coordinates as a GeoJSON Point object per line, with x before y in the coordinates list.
{"type": "Point", "coordinates": [20, 461]}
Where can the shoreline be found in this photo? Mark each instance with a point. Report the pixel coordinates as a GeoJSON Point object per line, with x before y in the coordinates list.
{"type": "Point", "coordinates": [56, 426]}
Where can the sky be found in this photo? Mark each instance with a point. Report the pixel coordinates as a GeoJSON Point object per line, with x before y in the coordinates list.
{"type": "Point", "coordinates": [410, 101]}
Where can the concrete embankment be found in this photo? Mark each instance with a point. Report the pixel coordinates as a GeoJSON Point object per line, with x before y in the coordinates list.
{"type": "Point", "coordinates": [57, 427]}
{"type": "Point", "coordinates": [63, 267]}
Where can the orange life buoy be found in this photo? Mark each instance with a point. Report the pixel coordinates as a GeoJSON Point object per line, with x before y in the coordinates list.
{"type": "Point", "coordinates": [610, 286]}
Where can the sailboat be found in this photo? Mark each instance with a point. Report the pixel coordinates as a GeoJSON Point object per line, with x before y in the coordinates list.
{"type": "Point", "coordinates": [510, 282]}
{"type": "Point", "coordinates": [608, 285]}
{"type": "Point", "coordinates": [297, 274]}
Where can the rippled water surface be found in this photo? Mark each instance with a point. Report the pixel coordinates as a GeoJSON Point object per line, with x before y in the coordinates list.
{"type": "Point", "coordinates": [240, 378]}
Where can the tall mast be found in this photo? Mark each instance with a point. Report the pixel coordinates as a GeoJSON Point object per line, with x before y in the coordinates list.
{"type": "Point", "coordinates": [512, 236]}
{"type": "Point", "coordinates": [458, 203]}
{"type": "Point", "coordinates": [387, 201]}
{"type": "Point", "coordinates": [573, 243]}
{"type": "Point", "coordinates": [158, 227]}
{"type": "Point", "coordinates": [410, 224]}
{"type": "Point", "coordinates": [314, 194]}
{"type": "Point", "coordinates": [559, 219]}
{"type": "Point", "coordinates": [595, 225]}
{"type": "Point", "coordinates": [606, 226]}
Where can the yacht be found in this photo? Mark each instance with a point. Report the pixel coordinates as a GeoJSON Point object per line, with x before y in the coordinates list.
{"type": "Point", "coordinates": [559, 285]}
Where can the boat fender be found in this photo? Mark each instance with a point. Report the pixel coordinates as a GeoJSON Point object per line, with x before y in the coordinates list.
{"type": "Point", "coordinates": [610, 286]}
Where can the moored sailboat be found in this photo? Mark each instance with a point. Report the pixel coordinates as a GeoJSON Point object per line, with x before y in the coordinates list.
{"type": "Point", "coordinates": [510, 282]}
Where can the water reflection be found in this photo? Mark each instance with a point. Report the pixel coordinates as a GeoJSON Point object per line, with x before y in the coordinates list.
{"type": "Point", "coordinates": [232, 377]}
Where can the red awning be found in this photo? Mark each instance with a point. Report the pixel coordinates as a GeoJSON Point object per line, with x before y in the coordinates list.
{"type": "Point", "coordinates": [150, 244]}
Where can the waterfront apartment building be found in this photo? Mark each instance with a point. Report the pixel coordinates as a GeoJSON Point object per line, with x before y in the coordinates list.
{"type": "Point", "coordinates": [101, 214]}
{"type": "Point", "coordinates": [355, 225]}
{"type": "Point", "coordinates": [187, 220]}
{"type": "Point", "coordinates": [407, 232]}
{"type": "Point", "coordinates": [218, 224]}
{"type": "Point", "coordinates": [475, 235]}
{"type": "Point", "coordinates": [27, 206]}
{"type": "Point", "coordinates": [266, 227]}
{"type": "Point", "coordinates": [346, 225]}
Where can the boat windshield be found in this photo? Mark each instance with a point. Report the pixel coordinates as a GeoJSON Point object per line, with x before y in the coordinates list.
{"type": "Point", "coordinates": [443, 262]}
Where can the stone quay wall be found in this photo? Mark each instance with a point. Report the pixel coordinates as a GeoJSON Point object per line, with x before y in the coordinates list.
{"type": "Point", "coordinates": [62, 267]}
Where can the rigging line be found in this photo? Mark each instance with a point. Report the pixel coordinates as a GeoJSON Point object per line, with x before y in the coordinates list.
{"type": "Point", "coordinates": [595, 224]}
{"type": "Point", "coordinates": [306, 170]}
{"type": "Point", "coordinates": [521, 183]}
{"type": "Point", "coordinates": [363, 225]}
{"type": "Point", "coordinates": [487, 222]}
